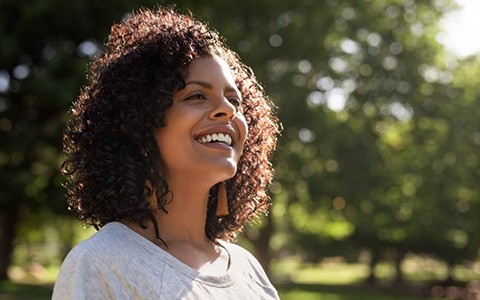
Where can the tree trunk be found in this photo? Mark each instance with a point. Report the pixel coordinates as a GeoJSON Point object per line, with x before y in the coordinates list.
{"type": "Point", "coordinates": [449, 280]}
{"type": "Point", "coordinates": [8, 221]}
{"type": "Point", "coordinates": [372, 279]}
{"type": "Point", "coordinates": [399, 280]}
{"type": "Point", "coordinates": [262, 244]}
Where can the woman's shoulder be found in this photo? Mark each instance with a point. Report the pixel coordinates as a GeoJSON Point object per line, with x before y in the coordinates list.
{"type": "Point", "coordinates": [114, 248]}
{"type": "Point", "coordinates": [241, 256]}
{"type": "Point", "coordinates": [112, 263]}
{"type": "Point", "coordinates": [109, 235]}
{"type": "Point", "coordinates": [110, 242]}
{"type": "Point", "coordinates": [245, 263]}
{"type": "Point", "coordinates": [235, 249]}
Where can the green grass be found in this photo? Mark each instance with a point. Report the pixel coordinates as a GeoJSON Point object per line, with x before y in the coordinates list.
{"type": "Point", "coordinates": [335, 271]}
{"type": "Point", "coordinates": [333, 274]}
{"type": "Point", "coordinates": [330, 279]}
{"type": "Point", "coordinates": [336, 279]}
{"type": "Point", "coordinates": [329, 273]}
{"type": "Point", "coordinates": [17, 291]}
{"type": "Point", "coordinates": [315, 292]}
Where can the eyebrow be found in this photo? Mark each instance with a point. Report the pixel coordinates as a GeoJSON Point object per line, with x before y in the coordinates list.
{"type": "Point", "coordinates": [209, 86]}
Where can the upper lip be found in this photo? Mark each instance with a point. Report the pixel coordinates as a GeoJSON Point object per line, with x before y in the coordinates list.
{"type": "Point", "coordinates": [225, 129]}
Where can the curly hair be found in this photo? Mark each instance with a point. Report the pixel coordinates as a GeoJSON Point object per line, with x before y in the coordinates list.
{"type": "Point", "coordinates": [112, 159]}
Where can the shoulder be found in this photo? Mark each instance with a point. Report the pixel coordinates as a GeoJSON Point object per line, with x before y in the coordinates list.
{"type": "Point", "coordinates": [239, 253]}
{"type": "Point", "coordinates": [83, 263]}
{"type": "Point", "coordinates": [101, 243]}
{"type": "Point", "coordinates": [247, 266]}
{"type": "Point", "coordinates": [242, 259]}
{"type": "Point", "coordinates": [92, 254]}
{"type": "Point", "coordinates": [113, 245]}
{"type": "Point", "coordinates": [112, 263]}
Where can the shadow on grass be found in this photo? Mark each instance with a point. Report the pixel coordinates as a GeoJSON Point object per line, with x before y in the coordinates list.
{"type": "Point", "coordinates": [16, 291]}
{"type": "Point", "coordinates": [383, 290]}
{"type": "Point", "coordinates": [290, 290]}
{"type": "Point", "coordinates": [341, 292]}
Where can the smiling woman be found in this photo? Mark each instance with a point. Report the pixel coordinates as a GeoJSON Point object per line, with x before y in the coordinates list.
{"type": "Point", "coordinates": [208, 107]}
{"type": "Point", "coordinates": [168, 152]}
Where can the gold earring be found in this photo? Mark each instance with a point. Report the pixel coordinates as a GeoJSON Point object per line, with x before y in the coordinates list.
{"type": "Point", "coordinates": [222, 202]}
{"type": "Point", "coordinates": [152, 199]}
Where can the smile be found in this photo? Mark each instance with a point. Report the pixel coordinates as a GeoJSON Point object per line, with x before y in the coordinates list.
{"type": "Point", "coordinates": [216, 138]}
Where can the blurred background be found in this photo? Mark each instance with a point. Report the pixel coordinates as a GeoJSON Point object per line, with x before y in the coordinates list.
{"type": "Point", "coordinates": [376, 194]}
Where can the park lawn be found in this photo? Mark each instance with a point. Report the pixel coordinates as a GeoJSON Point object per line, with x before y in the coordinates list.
{"type": "Point", "coordinates": [17, 291]}
{"type": "Point", "coordinates": [335, 280]}
{"type": "Point", "coordinates": [339, 292]}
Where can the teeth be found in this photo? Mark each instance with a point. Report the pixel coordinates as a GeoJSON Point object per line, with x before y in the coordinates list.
{"type": "Point", "coordinates": [228, 139]}
{"type": "Point", "coordinates": [216, 137]}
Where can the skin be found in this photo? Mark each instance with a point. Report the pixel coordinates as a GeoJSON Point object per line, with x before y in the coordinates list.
{"type": "Point", "coordinates": [210, 102]}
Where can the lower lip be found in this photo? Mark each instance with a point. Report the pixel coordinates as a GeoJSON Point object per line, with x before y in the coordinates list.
{"type": "Point", "coordinates": [217, 146]}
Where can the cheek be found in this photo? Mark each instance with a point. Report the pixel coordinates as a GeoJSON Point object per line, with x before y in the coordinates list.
{"type": "Point", "coordinates": [165, 140]}
{"type": "Point", "coordinates": [243, 129]}
{"type": "Point", "coordinates": [159, 139]}
{"type": "Point", "coordinates": [170, 132]}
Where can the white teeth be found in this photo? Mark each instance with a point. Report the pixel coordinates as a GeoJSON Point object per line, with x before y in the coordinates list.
{"type": "Point", "coordinates": [216, 137]}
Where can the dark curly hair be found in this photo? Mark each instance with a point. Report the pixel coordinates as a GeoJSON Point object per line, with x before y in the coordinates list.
{"type": "Point", "coordinates": [111, 153]}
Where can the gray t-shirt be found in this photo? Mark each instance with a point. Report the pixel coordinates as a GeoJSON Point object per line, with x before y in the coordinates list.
{"type": "Point", "coordinates": [118, 263]}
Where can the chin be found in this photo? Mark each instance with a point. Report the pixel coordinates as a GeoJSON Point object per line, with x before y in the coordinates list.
{"type": "Point", "coordinates": [218, 171]}
{"type": "Point", "coordinates": [228, 173]}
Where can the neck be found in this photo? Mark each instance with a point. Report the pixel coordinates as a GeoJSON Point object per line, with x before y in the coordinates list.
{"type": "Point", "coordinates": [186, 215]}
{"type": "Point", "coordinates": [182, 228]}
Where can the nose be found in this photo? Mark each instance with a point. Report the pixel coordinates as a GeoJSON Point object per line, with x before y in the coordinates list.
{"type": "Point", "coordinates": [223, 109]}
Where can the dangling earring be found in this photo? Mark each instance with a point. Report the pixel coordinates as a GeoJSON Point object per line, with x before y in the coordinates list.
{"type": "Point", "coordinates": [152, 199]}
{"type": "Point", "coordinates": [222, 202]}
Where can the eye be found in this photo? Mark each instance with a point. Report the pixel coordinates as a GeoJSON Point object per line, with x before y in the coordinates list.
{"type": "Point", "coordinates": [196, 96]}
{"type": "Point", "coordinates": [235, 101]}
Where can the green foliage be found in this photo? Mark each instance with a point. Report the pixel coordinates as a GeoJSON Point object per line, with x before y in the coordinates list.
{"type": "Point", "coordinates": [45, 47]}
{"type": "Point", "coordinates": [380, 142]}
{"type": "Point", "coordinates": [375, 127]}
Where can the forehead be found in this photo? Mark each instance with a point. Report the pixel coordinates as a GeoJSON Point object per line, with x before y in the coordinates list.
{"type": "Point", "coordinates": [211, 68]}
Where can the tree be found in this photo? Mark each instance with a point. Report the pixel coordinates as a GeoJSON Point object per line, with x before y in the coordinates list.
{"type": "Point", "coordinates": [373, 160]}
{"type": "Point", "coordinates": [379, 145]}
{"type": "Point", "coordinates": [45, 46]}
{"type": "Point", "coordinates": [366, 101]}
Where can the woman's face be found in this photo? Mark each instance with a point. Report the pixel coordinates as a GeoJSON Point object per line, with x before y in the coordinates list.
{"type": "Point", "coordinates": [205, 129]}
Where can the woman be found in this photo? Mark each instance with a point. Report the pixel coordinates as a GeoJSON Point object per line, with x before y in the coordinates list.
{"type": "Point", "coordinates": [168, 155]}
